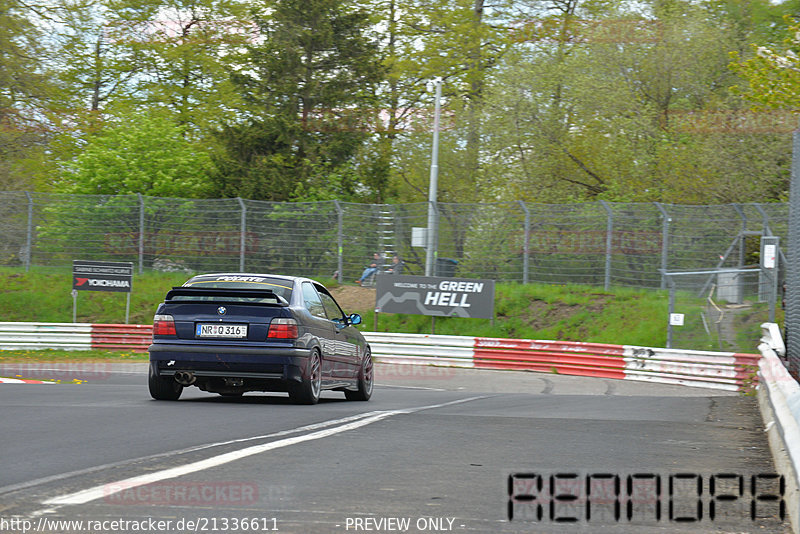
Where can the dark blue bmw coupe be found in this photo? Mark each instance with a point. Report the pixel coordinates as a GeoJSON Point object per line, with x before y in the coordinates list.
{"type": "Point", "coordinates": [231, 333]}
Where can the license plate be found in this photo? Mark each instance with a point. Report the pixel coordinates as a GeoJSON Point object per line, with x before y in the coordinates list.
{"type": "Point", "coordinates": [236, 331]}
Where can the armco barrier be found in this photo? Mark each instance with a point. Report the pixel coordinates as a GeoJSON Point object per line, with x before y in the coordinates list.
{"type": "Point", "coordinates": [719, 370]}
{"type": "Point", "coordinates": [716, 370]}
{"type": "Point", "coordinates": [135, 337]}
{"type": "Point", "coordinates": [563, 357]}
{"type": "Point", "coordinates": [75, 336]}
{"type": "Point", "coordinates": [779, 400]}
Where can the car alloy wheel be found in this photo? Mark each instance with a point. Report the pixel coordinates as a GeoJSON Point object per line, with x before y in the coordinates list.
{"type": "Point", "coordinates": [366, 381]}
{"type": "Point", "coordinates": [308, 390]}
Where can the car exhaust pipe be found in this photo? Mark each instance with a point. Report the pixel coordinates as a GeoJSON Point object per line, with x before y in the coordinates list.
{"type": "Point", "coordinates": [185, 378]}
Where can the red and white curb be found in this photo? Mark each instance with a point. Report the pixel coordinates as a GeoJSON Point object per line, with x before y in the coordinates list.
{"type": "Point", "coordinates": [5, 380]}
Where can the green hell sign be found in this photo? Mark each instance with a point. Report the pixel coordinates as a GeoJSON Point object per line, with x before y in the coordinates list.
{"type": "Point", "coordinates": [442, 297]}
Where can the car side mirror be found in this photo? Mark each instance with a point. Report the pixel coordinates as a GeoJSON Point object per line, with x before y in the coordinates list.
{"type": "Point", "coordinates": [354, 318]}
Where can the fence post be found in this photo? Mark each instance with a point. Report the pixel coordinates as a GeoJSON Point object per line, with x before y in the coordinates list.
{"type": "Point", "coordinates": [665, 220]}
{"type": "Point", "coordinates": [339, 240]}
{"type": "Point", "coordinates": [29, 239]}
{"type": "Point", "coordinates": [526, 244]}
{"type": "Point", "coordinates": [432, 238]}
{"type": "Point", "coordinates": [742, 233]}
{"type": "Point", "coordinates": [609, 242]}
{"type": "Point", "coordinates": [768, 279]}
{"type": "Point", "coordinates": [764, 219]}
{"type": "Point", "coordinates": [768, 230]}
{"type": "Point", "coordinates": [671, 310]}
{"type": "Point", "coordinates": [141, 232]}
{"type": "Point", "coordinates": [242, 233]}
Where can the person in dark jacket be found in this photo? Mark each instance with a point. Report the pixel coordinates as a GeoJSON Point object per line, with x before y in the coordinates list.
{"type": "Point", "coordinates": [371, 269]}
{"type": "Point", "coordinates": [397, 266]}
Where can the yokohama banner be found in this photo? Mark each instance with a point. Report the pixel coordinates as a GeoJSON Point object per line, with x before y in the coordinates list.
{"type": "Point", "coordinates": [102, 276]}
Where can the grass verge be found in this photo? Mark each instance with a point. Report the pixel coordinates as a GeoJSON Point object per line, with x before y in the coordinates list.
{"type": "Point", "coordinates": [532, 311]}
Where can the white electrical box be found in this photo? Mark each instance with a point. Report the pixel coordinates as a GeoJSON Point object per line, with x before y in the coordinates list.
{"type": "Point", "coordinates": [419, 236]}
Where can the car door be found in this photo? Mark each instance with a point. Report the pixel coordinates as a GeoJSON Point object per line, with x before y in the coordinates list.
{"type": "Point", "coordinates": [347, 339]}
{"type": "Point", "coordinates": [320, 327]}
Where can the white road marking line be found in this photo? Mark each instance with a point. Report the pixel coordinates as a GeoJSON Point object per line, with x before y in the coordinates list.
{"type": "Point", "coordinates": [443, 404]}
{"type": "Point", "coordinates": [408, 387]}
{"type": "Point", "coordinates": [104, 490]}
{"type": "Point", "coordinates": [89, 470]}
{"type": "Point", "coordinates": [98, 492]}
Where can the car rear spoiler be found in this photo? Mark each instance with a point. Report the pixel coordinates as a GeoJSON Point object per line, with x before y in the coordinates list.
{"type": "Point", "coordinates": [224, 292]}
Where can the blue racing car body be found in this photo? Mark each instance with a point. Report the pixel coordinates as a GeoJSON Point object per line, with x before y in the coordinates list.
{"type": "Point", "coordinates": [230, 333]}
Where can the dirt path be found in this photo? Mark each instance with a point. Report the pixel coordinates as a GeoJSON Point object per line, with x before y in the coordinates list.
{"type": "Point", "coordinates": [354, 298]}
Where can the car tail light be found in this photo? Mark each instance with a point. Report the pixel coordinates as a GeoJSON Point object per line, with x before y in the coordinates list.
{"type": "Point", "coordinates": [281, 328]}
{"type": "Point", "coordinates": [164, 325]}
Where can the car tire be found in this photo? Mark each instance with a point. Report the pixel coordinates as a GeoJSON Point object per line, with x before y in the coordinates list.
{"type": "Point", "coordinates": [366, 381]}
{"type": "Point", "coordinates": [308, 391]}
{"type": "Point", "coordinates": [162, 387]}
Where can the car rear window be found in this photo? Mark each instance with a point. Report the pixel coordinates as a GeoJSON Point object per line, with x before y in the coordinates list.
{"type": "Point", "coordinates": [282, 288]}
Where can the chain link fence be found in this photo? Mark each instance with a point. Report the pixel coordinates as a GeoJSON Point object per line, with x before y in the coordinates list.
{"type": "Point", "coordinates": [597, 243]}
{"type": "Point", "coordinates": [792, 296]}
{"type": "Point", "coordinates": [719, 310]}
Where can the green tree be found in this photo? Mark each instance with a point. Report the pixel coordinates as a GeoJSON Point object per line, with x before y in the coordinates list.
{"type": "Point", "coordinates": [147, 154]}
{"type": "Point", "coordinates": [182, 51]}
{"type": "Point", "coordinates": [25, 86]}
{"type": "Point", "coordinates": [309, 85]}
{"type": "Point", "coordinates": [460, 42]}
{"type": "Point", "coordinates": [602, 103]}
{"type": "Point", "coordinates": [772, 74]}
{"type": "Point", "coordinates": [121, 55]}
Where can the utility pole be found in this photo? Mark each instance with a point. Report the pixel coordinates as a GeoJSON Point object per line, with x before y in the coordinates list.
{"type": "Point", "coordinates": [432, 234]}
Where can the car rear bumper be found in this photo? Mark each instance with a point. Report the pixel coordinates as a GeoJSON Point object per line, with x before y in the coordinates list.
{"type": "Point", "coordinates": [160, 349]}
{"type": "Point", "coordinates": [284, 364]}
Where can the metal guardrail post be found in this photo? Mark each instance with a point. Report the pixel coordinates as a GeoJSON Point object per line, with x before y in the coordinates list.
{"type": "Point", "coordinates": [665, 220]}
{"type": "Point", "coordinates": [29, 239]}
{"type": "Point", "coordinates": [141, 233]}
{"type": "Point", "coordinates": [609, 243]}
{"type": "Point", "coordinates": [242, 233]}
{"type": "Point", "coordinates": [339, 240]}
{"type": "Point", "coordinates": [526, 244]}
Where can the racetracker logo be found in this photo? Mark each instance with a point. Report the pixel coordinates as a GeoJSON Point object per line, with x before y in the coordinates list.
{"type": "Point", "coordinates": [56, 371]}
{"type": "Point", "coordinates": [183, 494]}
{"type": "Point", "coordinates": [401, 371]}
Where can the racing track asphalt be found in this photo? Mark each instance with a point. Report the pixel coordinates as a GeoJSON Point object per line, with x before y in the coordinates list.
{"type": "Point", "coordinates": [432, 451]}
